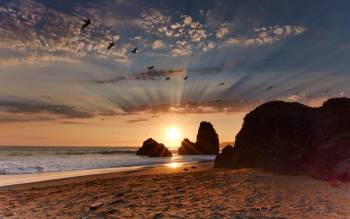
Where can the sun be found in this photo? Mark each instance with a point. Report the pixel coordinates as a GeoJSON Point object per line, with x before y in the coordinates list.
{"type": "Point", "coordinates": [173, 134]}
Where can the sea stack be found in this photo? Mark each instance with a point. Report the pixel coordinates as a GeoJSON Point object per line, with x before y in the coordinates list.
{"type": "Point", "coordinates": [207, 142]}
{"type": "Point", "coordinates": [152, 148]}
{"type": "Point", "coordinates": [225, 158]}
{"type": "Point", "coordinates": [293, 138]}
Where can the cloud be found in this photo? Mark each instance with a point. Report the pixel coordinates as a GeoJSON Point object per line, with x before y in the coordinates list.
{"type": "Point", "coordinates": [209, 46]}
{"type": "Point", "coordinates": [196, 108]}
{"type": "Point", "coordinates": [137, 120]}
{"type": "Point", "coordinates": [158, 44]}
{"type": "Point", "coordinates": [223, 30]}
{"type": "Point", "coordinates": [34, 59]}
{"type": "Point", "coordinates": [183, 36]}
{"type": "Point", "coordinates": [187, 20]}
{"type": "Point", "coordinates": [146, 76]}
{"type": "Point", "coordinates": [24, 106]}
{"type": "Point", "coordinates": [19, 118]}
{"type": "Point", "coordinates": [31, 27]}
{"type": "Point", "coordinates": [266, 35]}
{"type": "Point", "coordinates": [181, 51]}
{"type": "Point", "coordinates": [162, 74]}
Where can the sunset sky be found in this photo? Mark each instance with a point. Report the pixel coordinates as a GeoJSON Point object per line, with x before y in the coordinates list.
{"type": "Point", "coordinates": [59, 85]}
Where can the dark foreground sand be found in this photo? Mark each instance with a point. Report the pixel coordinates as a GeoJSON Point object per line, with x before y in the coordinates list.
{"type": "Point", "coordinates": [196, 193]}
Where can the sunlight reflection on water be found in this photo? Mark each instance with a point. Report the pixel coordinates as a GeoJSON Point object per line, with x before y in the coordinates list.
{"type": "Point", "coordinates": [174, 164]}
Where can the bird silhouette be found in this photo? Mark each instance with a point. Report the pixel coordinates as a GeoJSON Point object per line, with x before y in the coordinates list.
{"type": "Point", "coordinates": [269, 88]}
{"type": "Point", "coordinates": [222, 83]}
{"type": "Point", "coordinates": [150, 67]}
{"type": "Point", "coordinates": [110, 45]}
{"type": "Point", "coordinates": [87, 22]}
{"type": "Point", "coordinates": [167, 78]}
{"type": "Point", "coordinates": [218, 100]}
{"type": "Point", "coordinates": [134, 50]}
{"type": "Point", "coordinates": [186, 77]}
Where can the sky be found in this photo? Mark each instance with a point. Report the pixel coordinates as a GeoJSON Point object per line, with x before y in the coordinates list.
{"type": "Point", "coordinates": [60, 86]}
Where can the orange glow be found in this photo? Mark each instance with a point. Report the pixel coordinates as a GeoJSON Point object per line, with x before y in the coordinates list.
{"type": "Point", "coordinates": [173, 134]}
{"type": "Point", "coordinates": [174, 165]}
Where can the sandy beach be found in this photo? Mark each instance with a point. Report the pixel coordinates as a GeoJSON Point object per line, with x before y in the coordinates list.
{"type": "Point", "coordinates": [194, 191]}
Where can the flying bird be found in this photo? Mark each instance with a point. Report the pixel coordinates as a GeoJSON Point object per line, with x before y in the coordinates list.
{"type": "Point", "coordinates": [150, 67]}
{"type": "Point", "coordinates": [134, 50]}
{"type": "Point", "coordinates": [269, 88]}
{"type": "Point", "coordinates": [87, 22]}
{"type": "Point", "coordinates": [110, 45]}
{"type": "Point", "coordinates": [167, 78]}
{"type": "Point", "coordinates": [185, 78]}
{"type": "Point", "coordinates": [218, 100]}
{"type": "Point", "coordinates": [222, 83]}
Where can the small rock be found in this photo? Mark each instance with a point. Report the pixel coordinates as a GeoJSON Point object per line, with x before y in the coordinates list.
{"type": "Point", "coordinates": [95, 205]}
{"type": "Point", "coordinates": [157, 215]}
{"type": "Point", "coordinates": [9, 214]}
{"type": "Point", "coordinates": [118, 200]}
{"type": "Point", "coordinates": [120, 194]}
{"type": "Point", "coordinates": [112, 211]}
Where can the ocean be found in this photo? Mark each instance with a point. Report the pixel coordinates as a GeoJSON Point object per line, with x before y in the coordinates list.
{"type": "Point", "coordinates": [25, 160]}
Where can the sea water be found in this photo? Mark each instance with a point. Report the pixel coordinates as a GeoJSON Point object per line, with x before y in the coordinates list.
{"type": "Point", "coordinates": [22, 160]}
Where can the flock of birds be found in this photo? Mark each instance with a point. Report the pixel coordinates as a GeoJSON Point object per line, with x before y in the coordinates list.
{"type": "Point", "coordinates": [87, 22]}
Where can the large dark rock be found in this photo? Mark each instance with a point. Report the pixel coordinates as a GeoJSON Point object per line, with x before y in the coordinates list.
{"type": "Point", "coordinates": [225, 158]}
{"type": "Point", "coordinates": [152, 148]}
{"type": "Point", "coordinates": [207, 142]}
{"type": "Point", "coordinates": [187, 147]}
{"type": "Point", "coordinates": [296, 139]}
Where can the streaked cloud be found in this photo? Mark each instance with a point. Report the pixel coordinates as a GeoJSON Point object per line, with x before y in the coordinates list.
{"type": "Point", "coordinates": [24, 106]}
{"type": "Point", "coordinates": [155, 74]}
{"type": "Point", "coordinates": [266, 35]}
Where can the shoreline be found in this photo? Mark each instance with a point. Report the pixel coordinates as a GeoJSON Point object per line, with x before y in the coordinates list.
{"type": "Point", "coordinates": [39, 180]}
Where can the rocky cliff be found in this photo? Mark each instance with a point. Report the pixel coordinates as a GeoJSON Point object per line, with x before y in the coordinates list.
{"type": "Point", "coordinates": [294, 138]}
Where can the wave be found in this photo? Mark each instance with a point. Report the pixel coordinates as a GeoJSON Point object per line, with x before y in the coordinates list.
{"type": "Point", "coordinates": [97, 152]}
{"type": "Point", "coordinates": [21, 170]}
{"type": "Point", "coordinates": [28, 151]}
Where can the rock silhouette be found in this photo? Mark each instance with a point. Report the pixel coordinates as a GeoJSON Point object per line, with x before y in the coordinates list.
{"type": "Point", "coordinates": [207, 142]}
{"type": "Point", "coordinates": [296, 139]}
{"type": "Point", "coordinates": [225, 158]}
{"type": "Point", "coordinates": [152, 148]}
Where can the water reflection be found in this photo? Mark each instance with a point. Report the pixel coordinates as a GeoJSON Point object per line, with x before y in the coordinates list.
{"type": "Point", "coordinates": [174, 164]}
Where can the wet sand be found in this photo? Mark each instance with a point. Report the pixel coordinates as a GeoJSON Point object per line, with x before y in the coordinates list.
{"type": "Point", "coordinates": [183, 192]}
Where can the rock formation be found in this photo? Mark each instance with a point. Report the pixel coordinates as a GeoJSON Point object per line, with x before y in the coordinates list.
{"type": "Point", "coordinates": [296, 139]}
{"type": "Point", "coordinates": [207, 142]}
{"type": "Point", "coordinates": [225, 158]}
{"type": "Point", "coordinates": [187, 147]}
{"type": "Point", "coordinates": [152, 148]}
